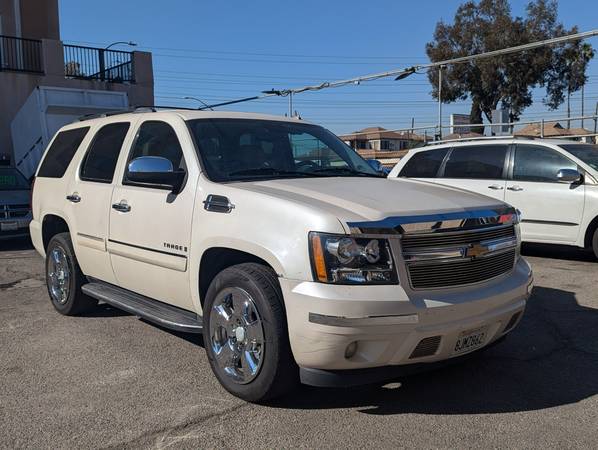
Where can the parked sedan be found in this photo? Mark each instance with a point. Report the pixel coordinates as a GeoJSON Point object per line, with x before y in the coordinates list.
{"type": "Point", "coordinates": [15, 211]}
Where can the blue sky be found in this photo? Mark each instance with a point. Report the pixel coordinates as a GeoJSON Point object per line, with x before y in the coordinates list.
{"type": "Point", "coordinates": [222, 50]}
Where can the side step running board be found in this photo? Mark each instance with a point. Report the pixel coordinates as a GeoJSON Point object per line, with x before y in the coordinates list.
{"type": "Point", "coordinates": [157, 312]}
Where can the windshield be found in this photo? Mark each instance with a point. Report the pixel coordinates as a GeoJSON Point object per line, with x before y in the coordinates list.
{"type": "Point", "coordinates": [588, 153]}
{"type": "Point", "coordinates": [244, 149]}
{"type": "Point", "coordinates": [11, 180]}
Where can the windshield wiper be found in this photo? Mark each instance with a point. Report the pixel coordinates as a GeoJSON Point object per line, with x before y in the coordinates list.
{"type": "Point", "coordinates": [348, 171]}
{"type": "Point", "coordinates": [271, 171]}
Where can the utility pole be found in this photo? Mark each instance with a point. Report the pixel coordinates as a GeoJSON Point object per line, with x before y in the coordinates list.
{"type": "Point", "coordinates": [290, 104]}
{"type": "Point", "coordinates": [596, 119]}
{"type": "Point", "coordinates": [582, 104]}
{"type": "Point", "coordinates": [568, 109]}
{"type": "Point", "coordinates": [440, 101]}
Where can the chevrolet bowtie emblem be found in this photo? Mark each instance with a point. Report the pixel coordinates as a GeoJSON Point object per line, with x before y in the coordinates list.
{"type": "Point", "coordinates": [476, 250]}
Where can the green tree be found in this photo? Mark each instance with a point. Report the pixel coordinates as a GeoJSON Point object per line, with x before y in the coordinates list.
{"type": "Point", "coordinates": [507, 80]}
{"type": "Point", "coordinates": [568, 74]}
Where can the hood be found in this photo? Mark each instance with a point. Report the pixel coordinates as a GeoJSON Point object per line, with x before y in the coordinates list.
{"type": "Point", "coordinates": [365, 199]}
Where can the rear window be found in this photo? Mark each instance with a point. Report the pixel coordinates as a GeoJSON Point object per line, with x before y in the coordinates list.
{"type": "Point", "coordinates": [61, 152]}
{"type": "Point", "coordinates": [477, 162]}
{"type": "Point", "coordinates": [100, 160]}
{"type": "Point", "coordinates": [424, 164]}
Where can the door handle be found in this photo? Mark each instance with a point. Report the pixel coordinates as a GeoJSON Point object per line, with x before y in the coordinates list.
{"type": "Point", "coordinates": [496, 187]}
{"type": "Point", "coordinates": [73, 198]}
{"type": "Point", "coordinates": [515, 188]}
{"type": "Point", "coordinates": [121, 207]}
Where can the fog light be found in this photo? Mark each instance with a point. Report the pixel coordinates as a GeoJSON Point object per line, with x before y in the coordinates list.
{"type": "Point", "coordinates": [351, 350]}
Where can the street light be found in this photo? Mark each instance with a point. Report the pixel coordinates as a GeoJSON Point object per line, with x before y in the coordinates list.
{"type": "Point", "coordinates": [406, 73]}
{"type": "Point", "coordinates": [129, 43]}
{"type": "Point", "coordinates": [200, 101]}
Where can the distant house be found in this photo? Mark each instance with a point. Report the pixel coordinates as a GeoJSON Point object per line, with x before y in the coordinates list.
{"type": "Point", "coordinates": [467, 135]}
{"type": "Point", "coordinates": [379, 143]}
{"type": "Point", "coordinates": [381, 140]}
{"type": "Point", "coordinates": [555, 129]}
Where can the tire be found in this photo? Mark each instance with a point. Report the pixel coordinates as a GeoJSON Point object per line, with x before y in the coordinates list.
{"type": "Point", "coordinates": [594, 243]}
{"type": "Point", "coordinates": [249, 295]}
{"type": "Point", "coordinates": [64, 278]}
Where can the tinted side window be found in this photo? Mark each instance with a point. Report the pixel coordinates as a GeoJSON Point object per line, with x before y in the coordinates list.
{"type": "Point", "coordinates": [535, 163]}
{"type": "Point", "coordinates": [61, 152]}
{"type": "Point", "coordinates": [158, 139]}
{"type": "Point", "coordinates": [100, 160]}
{"type": "Point", "coordinates": [424, 164]}
{"type": "Point", "coordinates": [476, 161]}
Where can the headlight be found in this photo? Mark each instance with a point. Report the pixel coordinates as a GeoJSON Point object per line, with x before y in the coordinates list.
{"type": "Point", "coordinates": [342, 259]}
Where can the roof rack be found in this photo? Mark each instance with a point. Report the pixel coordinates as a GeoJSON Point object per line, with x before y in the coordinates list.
{"type": "Point", "coordinates": [134, 109]}
{"type": "Point", "coordinates": [481, 138]}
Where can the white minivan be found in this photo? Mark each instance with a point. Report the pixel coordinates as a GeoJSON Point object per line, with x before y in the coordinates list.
{"type": "Point", "coordinates": [553, 182]}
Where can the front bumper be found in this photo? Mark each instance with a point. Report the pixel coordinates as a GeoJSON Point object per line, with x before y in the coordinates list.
{"type": "Point", "coordinates": [388, 323]}
{"type": "Point", "coordinates": [358, 377]}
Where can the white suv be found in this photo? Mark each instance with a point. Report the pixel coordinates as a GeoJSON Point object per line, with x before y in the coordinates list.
{"type": "Point", "coordinates": [274, 239]}
{"type": "Point", "coordinates": [554, 183]}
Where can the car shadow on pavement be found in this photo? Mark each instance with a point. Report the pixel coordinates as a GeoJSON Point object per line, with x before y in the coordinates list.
{"type": "Point", "coordinates": [550, 359]}
{"type": "Point", "coordinates": [552, 251]}
{"type": "Point", "coordinates": [16, 244]}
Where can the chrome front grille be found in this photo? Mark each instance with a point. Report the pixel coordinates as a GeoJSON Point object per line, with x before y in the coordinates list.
{"type": "Point", "coordinates": [433, 276]}
{"type": "Point", "coordinates": [451, 259]}
{"type": "Point", "coordinates": [415, 241]}
{"type": "Point", "coordinates": [14, 211]}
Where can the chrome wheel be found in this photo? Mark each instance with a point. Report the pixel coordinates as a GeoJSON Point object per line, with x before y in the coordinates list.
{"type": "Point", "coordinates": [59, 275]}
{"type": "Point", "coordinates": [236, 335]}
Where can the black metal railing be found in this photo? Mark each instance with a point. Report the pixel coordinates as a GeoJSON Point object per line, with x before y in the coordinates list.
{"type": "Point", "coordinates": [21, 55]}
{"type": "Point", "coordinates": [92, 63]}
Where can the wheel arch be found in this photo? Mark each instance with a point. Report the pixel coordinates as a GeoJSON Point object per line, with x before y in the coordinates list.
{"type": "Point", "coordinates": [52, 225]}
{"type": "Point", "coordinates": [592, 226]}
{"type": "Point", "coordinates": [216, 259]}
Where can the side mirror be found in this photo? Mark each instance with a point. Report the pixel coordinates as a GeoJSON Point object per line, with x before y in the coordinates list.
{"type": "Point", "coordinates": [155, 171]}
{"type": "Point", "coordinates": [568, 176]}
{"type": "Point", "coordinates": [377, 166]}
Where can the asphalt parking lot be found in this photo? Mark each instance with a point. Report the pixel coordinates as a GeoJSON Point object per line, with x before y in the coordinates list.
{"type": "Point", "coordinates": [112, 380]}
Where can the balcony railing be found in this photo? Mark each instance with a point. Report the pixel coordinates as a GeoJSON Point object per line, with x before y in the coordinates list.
{"type": "Point", "coordinates": [91, 63]}
{"type": "Point", "coordinates": [21, 55]}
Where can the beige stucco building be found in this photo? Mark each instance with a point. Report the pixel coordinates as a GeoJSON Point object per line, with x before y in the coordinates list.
{"type": "Point", "coordinates": [32, 55]}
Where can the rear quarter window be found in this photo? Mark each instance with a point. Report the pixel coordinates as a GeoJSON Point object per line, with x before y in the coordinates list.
{"type": "Point", "coordinates": [424, 164]}
{"type": "Point", "coordinates": [61, 152]}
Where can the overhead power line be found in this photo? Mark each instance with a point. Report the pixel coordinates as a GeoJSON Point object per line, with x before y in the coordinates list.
{"type": "Point", "coordinates": [404, 72]}
{"type": "Point", "coordinates": [410, 70]}
{"type": "Point", "coordinates": [242, 53]}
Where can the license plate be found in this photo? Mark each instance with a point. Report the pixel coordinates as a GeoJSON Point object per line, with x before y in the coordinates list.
{"type": "Point", "coordinates": [470, 340]}
{"type": "Point", "coordinates": [9, 226]}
